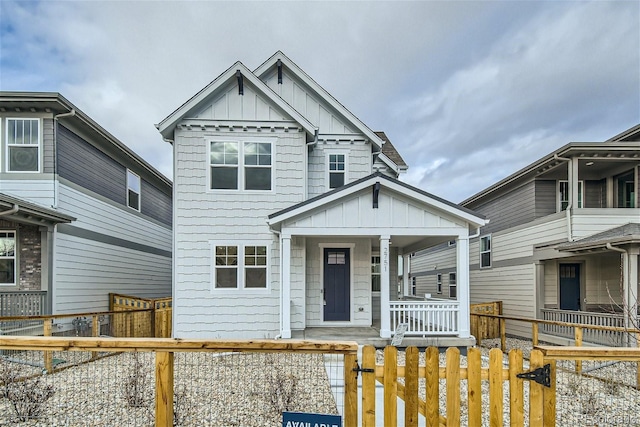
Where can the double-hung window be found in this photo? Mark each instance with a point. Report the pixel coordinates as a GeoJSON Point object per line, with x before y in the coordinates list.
{"type": "Point", "coordinates": [241, 165]}
{"type": "Point", "coordinates": [485, 251]}
{"type": "Point", "coordinates": [23, 145]}
{"type": "Point", "coordinates": [7, 258]}
{"type": "Point", "coordinates": [133, 190]}
{"type": "Point", "coordinates": [240, 266]}
{"type": "Point", "coordinates": [414, 285]}
{"type": "Point", "coordinates": [563, 195]}
{"type": "Point", "coordinates": [375, 273]}
{"type": "Point", "coordinates": [337, 170]}
{"type": "Point", "coordinates": [453, 287]}
{"type": "Point", "coordinates": [439, 283]}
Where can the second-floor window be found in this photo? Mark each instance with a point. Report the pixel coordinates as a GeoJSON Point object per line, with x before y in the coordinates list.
{"type": "Point", "coordinates": [485, 251]}
{"type": "Point", "coordinates": [7, 258]}
{"type": "Point", "coordinates": [133, 190]}
{"type": "Point", "coordinates": [239, 165]}
{"type": "Point", "coordinates": [439, 283]}
{"type": "Point", "coordinates": [625, 184]}
{"type": "Point", "coordinates": [337, 170]}
{"type": "Point", "coordinates": [414, 286]}
{"type": "Point", "coordinates": [23, 145]}
{"type": "Point", "coordinates": [563, 195]}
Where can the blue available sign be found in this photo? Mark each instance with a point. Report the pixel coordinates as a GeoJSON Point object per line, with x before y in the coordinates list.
{"type": "Point", "coordinates": [300, 419]}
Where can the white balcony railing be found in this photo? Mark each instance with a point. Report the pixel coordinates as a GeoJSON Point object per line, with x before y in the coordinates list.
{"type": "Point", "coordinates": [426, 318]}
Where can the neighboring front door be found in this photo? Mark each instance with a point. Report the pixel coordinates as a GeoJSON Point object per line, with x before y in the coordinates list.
{"type": "Point", "coordinates": [337, 284]}
{"type": "Point", "coordinates": [570, 287]}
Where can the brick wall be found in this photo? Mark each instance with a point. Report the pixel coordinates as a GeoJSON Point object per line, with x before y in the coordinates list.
{"type": "Point", "coordinates": [29, 253]}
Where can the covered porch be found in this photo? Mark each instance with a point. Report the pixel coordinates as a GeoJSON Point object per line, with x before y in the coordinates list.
{"type": "Point", "coordinates": [330, 245]}
{"type": "Point", "coordinates": [595, 283]}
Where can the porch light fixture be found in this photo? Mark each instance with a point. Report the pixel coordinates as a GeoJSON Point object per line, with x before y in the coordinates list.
{"type": "Point", "coordinates": [589, 164]}
{"type": "Point", "coordinates": [240, 83]}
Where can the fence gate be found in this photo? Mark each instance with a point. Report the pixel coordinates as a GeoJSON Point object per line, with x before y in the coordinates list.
{"type": "Point", "coordinates": [481, 393]}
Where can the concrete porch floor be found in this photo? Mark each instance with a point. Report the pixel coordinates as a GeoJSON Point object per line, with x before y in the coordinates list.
{"type": "Point", "coordinates": [370, 335]}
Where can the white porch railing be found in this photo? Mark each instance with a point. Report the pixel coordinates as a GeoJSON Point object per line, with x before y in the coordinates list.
{"type": "Point", "coordinates": [424, 318]}
{"type": "Point", "coordinates": [608, 338]}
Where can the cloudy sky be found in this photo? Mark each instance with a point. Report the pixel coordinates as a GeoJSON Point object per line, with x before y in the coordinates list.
{"type": "Point", "coordinates": [468, 91]}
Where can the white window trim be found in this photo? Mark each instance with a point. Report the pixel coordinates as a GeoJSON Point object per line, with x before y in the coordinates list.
{"type": "Point", "coordinates": [6, 150]}
{"type": "Point", "coordinates": [14, 258]}
{"type": "Point", "coordinates": [139, 193]}
{"type": "Point", "coordinates": [241, 165]}
{"type": "Point", "coordinates": [346, 167]}
{"type": "Point", "coordinates": [439, 283]}
{"type": "Point", "coordinates": [580, 190]}
{"type": "Point", "coordinates": [376, 253]}
{"type": "Point", "coordinates": [490, 251]}
{"type": "Point", "coordinates": [241, 244]}
{"type": "Point", "coordinates": [454, 284]}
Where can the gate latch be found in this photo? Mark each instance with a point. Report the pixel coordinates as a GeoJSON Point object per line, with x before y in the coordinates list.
{"type": "Point", "coordinates": [358, 369]}
{"type": "Point", "coordinates": [540, 375]}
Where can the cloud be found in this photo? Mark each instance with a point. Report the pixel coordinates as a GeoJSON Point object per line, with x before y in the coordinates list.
{"type": "Point", "coordinates": [467, 91]}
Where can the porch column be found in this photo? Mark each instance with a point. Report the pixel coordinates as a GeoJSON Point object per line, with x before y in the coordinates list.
{"type": "Point", "coordinates": [573, 182]}
{"type": "Point", "coordinates": [385, 310]}
{"type": "Point", "coordinates": [463, 286]}
{"type": "Point", "coordinates": [539, 288]}
{"type": "Point", "coordinates": [632, 292]}
{"type": "Point", "coordinates": [285, 280]}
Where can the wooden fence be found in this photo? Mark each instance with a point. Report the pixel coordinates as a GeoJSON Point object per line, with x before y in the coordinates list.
{"type": "Point", "coordinates": [483, 327]}
{"type": "Point", "coordinates": [427, 404]}
{"type": "Point", "coordinates": [159, 325]}
{"type": "Point", "coordinates": [164, 349]}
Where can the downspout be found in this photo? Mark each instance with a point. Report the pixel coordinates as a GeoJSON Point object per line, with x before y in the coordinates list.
{"type": "Point", "coordinates": [11, 211]}
{"type": "Point", "coordinates": [55, 153]}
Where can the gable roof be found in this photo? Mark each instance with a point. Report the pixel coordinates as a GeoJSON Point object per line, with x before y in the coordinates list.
{"type": "Point", "coordinates": [320, 91]}
{"type": "Point", "coordinates": [168, 124]}
{"type": "Point", "coordinates": [628, 233]}
{"type": "Point", "coordinates": [466, 214]}
{"type": "Point", "coordinates": [389, 150]}
{"type": "Point", "coordinates": [631, 134]}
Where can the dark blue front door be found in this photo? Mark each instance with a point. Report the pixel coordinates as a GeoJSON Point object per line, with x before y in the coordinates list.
{"type": "Point", "coordinates": [337, 284]}
{"type": "Point", "coordinates": [570, 287]}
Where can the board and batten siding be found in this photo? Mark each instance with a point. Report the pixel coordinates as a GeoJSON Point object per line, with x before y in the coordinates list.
{"type": "Point", "coordinates": [239, 216]}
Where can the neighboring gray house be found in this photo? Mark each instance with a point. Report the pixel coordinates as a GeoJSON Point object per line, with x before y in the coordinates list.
{"type": "Point", "coordinates": [81, 215]}
{"type": "Point", "coordinates": [288, 215]}
{"type": "Point", "coordinates": [563, 240]}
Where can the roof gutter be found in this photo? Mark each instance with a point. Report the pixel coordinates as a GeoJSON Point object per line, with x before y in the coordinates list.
{"type": "Point", "coordinates": [11, 211]}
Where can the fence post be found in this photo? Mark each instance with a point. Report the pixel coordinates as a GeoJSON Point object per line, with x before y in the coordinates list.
{"type": "Point", "coordinates": [578, 339]}
{"type": "Point", "coordinates": [475, 328]}
{"type": "Point", "coordinates": [350, 390]}
{"type": "Point", "coordinates": [95, 331]}
{"type": "Point", "coordinates": [534, 333]}
{"type": "Point", "coordinates": [503, 335]}
{"type": "Point", "coordinates": [549, 396]}
{"type": "Point", "coordinates": [368, 387]}
{"type": "Point", "coordinates": [164, 389]}
{"type": "Point", "coordinates": [48, 356]}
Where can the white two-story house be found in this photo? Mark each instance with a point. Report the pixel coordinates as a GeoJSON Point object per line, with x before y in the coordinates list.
{"type": "Point", "coordinates": [288, 214]}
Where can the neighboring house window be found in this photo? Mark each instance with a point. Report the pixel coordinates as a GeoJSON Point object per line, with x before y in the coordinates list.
{"type": "Point", "coordinates": [23, 145]}
{"type": "Point", "coordinates": [453, 290]}
{"type": "Point", "coordinates": [336, 170]}
{"type": "Point", "coordinates": [7, 258]}
{"type": "Point", "coordinates": [375, 273]}
{"type": "Point", "coordinates": [236, 165]}
{"type": "Point", "coordinates": [238, 267]}
{"type": "Point", "coordinates": [414, 286]}
{"type": "Point", "coordinates": [485, 251]}
{"type": "Point", "coordinates": [626, 190]}
{"type": "Point", "coordinates": [133, 190]}
{"type": "Point", "coordinates": [563, 195]}
{"type": "Point", "coordinates": [439, 283]}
